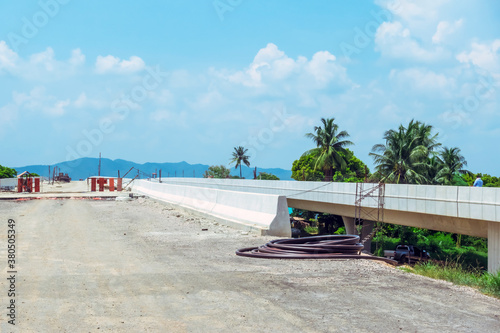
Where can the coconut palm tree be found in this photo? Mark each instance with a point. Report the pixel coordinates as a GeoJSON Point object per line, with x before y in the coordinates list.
{"type": "Point", "coordinates": [451, 163]}
{"type": "Point", "coordinates": [330, 147]}
{"type": "Point", "coordinates": [239, 157]}
{"type": "Point", "coordinates": [404, 157]}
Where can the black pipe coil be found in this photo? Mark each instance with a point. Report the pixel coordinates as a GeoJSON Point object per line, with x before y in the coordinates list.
{"type": "Point", "coordinates": [316, 247]}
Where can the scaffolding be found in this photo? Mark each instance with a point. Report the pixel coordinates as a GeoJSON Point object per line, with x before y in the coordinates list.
{"type": "Point", "coordinates": [369, 205]}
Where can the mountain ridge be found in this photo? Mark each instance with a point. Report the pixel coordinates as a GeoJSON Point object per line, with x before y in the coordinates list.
{"type": "Point", "coordinates": [84, 167]}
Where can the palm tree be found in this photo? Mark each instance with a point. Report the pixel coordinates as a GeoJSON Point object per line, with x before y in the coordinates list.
{"type": "Point", "coordinates": [239, 157]}
{"type": "Point", "coordinates": [330, 147]}
{"type": "Point", "coordinates": [404, 157]}
{"type": "Point", "coordinates": [451, 163]}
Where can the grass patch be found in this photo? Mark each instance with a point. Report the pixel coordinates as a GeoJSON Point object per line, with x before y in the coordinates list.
{"type": "Point", "coordinates": [311, 230]}
{"type": "Point", "coordinates": [487, 283]}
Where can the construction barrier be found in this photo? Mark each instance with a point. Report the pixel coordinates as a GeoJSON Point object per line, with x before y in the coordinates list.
{"type": "Point", "coordinates": [101, 181]}
{"type": "Point", "coordinates": [28, 184]}
{"type": "Point", "coordinates": [267, 213]}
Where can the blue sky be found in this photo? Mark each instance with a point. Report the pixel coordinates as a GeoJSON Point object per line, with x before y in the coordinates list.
{"type": "Point", "coordinates": [169, 81]}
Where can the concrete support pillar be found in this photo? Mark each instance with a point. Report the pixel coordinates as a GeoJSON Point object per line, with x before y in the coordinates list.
{"type": "Point", "coordinates": [493, 247]}
{"type": "Point", "coordinates": [366, 230]}
{"type": "Point", "coordinates": [349, 225]}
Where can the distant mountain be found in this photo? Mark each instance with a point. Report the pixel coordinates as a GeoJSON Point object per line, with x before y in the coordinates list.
{"type": "Point", "coordinates": [85, 167]}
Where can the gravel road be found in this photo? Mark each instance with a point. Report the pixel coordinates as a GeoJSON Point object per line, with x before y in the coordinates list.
{"type": "Point", "coordinates": [139, 266]}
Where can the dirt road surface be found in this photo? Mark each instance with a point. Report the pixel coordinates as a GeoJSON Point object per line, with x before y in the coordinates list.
{"type": "Point", "coordinates": [138, 266]}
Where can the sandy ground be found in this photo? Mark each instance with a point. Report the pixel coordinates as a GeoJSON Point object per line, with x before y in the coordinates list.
{"type": "Point", "coordinates": [138, 266]}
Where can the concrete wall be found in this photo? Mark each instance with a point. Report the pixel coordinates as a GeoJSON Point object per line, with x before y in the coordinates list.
{"type": "Point", "coordinates": [8, 183]}
{"type": "Point", "coordinates": [253, 211]}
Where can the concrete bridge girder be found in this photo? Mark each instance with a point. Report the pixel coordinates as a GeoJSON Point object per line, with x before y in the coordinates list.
{"type": "Point", "coordinates": [463, 226]}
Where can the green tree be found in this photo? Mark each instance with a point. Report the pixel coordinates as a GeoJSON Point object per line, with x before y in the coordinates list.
{"type": "Point", "coordinates": [451, 163]}
{"type": "Point", "coordinates": [240, 157]}
{"type": "Point", "coordinates": [303, 169]}
{"type": "Point", "coordinates": [217, 171]}
{"type": "Point", "coordinates": [404, 158]}
{"type": "Point", "coordinates": [6, 172]}
{"type": "Point", "coordinates": [355, 171]}
{"type": "Point", "coordinates": [267, 176]}
{"type": "Point", "coordinates": [330, 144]}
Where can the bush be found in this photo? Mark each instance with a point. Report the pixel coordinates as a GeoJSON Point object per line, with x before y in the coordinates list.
{"type": "Point", "coordinates": [311, 230]}
{"type": "Point", "coordinates": [382, 242]}
{"type": "Point", "coordinates": [217, 171]}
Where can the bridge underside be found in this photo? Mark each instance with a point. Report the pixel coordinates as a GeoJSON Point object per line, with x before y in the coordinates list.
{"type": "Point", "coordinates": [433, 222]}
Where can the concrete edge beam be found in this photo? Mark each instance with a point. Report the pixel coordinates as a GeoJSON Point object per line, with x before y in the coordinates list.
{"type": "Point", "coordinates": [266, 214]}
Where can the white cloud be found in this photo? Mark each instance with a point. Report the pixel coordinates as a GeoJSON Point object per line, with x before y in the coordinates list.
{"type": "Point", "coordinates": [271, 66]}
{"type": "Point", "coordinates": [416, 14]}
{"type": "Point", "coordinates": [41, 66]}
{"type": "Point", "coordinates": [394, 40]}
{"type": "Point", "coordinates": [58, 108]}
{"type": "Point", "coordinates": [37, 100]}
{"type": "Point", "coordinates": [77, 58]}
{"type": "Point", "coordinates": [111, 64]}
{"type": "Point", "coordinates": [485, 56]}
{"type": "Point", "coordinates": [8, 58]}
{"type": "Point", "coordinates": [424, 80]}
{"type": "Point", "coordinates": [82, 101]}
{"type": "Point", "coordinates": [323, 69]}
{"type": "Point", "coordinates": [445, 29]}
{"type": "Point", "coordinates": [417, 29]}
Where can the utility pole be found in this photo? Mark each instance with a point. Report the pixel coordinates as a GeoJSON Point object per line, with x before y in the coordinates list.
{"type": "Point", "coordinates": [99, 169]}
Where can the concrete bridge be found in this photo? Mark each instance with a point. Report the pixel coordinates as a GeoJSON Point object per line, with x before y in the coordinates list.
{"type": "Point", "coordinates": [464, 210]}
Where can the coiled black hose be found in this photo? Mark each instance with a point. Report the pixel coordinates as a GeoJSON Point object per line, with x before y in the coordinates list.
{"type": "Point", "coordinates": [316, 247]}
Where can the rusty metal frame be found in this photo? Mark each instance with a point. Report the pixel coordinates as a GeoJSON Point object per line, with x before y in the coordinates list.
{"type": "Point", "coordinates": [369, 202]}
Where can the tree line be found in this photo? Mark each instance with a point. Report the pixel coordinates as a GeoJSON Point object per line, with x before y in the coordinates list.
{"type": "Point", "coordinates": [410, 154]}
